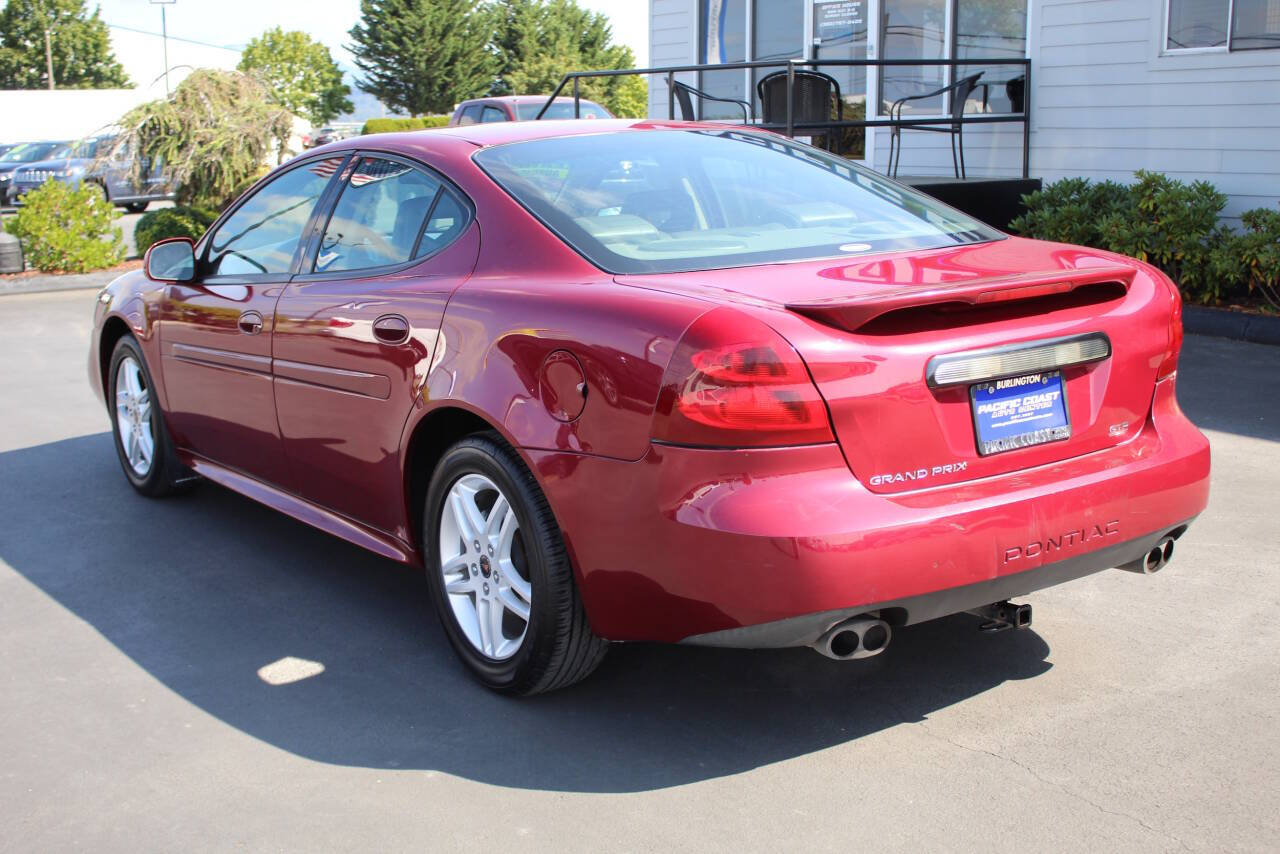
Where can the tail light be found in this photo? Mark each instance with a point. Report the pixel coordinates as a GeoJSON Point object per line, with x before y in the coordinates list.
{"type": "Point", "coordinates": [735, 382]}
{"type": "Point", "coordinates": [1169, 366]}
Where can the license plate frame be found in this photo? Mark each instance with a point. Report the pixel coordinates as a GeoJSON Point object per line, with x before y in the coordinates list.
{"type": "Point", "coordinates": [997, 430]}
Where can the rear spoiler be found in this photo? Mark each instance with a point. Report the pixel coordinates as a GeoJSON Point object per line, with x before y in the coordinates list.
{"type": "Point", "coordinates": [854, 312]}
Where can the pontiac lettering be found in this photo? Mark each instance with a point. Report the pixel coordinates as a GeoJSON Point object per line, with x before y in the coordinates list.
{"type": "Point", "coordinates": [1065, 540]}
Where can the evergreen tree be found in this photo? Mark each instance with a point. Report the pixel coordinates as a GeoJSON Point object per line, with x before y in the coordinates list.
{"type": "Point", "coordinates": [217, 133]}
{"type": "Point", "coordinates": [300, 72]}
{"type": "Point", "coordinates": [423, 56]}
{"type": "Point", "coordinates": [78, 42]}
{"type": "Point", "coordinates": [539, 41]}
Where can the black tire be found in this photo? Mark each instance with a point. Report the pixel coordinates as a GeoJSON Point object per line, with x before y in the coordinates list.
{"type": "Point", "coordinates": [559, 648]}
{"type": "Point", "coordinates": [165, 475]}
{"type": "Point", "coordinates": [136, 207]}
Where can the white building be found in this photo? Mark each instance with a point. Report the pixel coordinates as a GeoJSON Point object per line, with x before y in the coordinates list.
{"type": "Point", "coordinates": [32, 114]}
{"type": "Point", "coordinates": [1186, 87]}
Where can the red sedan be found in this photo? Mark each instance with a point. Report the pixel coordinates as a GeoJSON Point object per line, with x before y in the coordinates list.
{"type": "Point", "coordinates": [645, 381]}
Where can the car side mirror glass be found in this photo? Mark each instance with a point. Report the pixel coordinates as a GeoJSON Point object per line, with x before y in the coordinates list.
{"type": "Point", "coordinates": [172, 260]}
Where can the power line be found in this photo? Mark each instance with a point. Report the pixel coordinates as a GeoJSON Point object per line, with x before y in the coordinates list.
{"type": "Point", "coordinates": [171, 38]}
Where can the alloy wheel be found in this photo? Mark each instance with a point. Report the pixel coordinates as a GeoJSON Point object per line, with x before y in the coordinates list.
{"type": "Point", "coordinates": [133, 416]}
{"type": "Point", "coordinates": [483, 562]}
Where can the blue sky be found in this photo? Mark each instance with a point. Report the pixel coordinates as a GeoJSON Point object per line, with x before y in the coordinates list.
{"type": "Point", "coordinates": [233, 22]}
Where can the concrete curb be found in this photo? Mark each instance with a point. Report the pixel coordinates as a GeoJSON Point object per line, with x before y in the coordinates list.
{"type": "Point", "coordinates": [1221, 323]}
{"type": "Point", "coordinates": [69, 282]}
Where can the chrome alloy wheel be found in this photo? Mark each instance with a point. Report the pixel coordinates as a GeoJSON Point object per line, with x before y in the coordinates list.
{"type": "Point", "coordinates": [133, 416]}
{"type": "Point", "coordinates": [482, 560]}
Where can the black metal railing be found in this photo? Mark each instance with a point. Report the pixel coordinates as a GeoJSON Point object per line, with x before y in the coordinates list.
{"type": "Point", "coordinates": [790, 126]}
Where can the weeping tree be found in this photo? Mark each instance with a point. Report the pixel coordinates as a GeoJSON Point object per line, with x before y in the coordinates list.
{"type": "Point", "coordinates": [217, 133]}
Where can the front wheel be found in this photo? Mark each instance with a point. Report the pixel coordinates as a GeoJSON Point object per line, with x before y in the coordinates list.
{"type": "Point", "coordinates": [142, 442]}
{"type": "Point", "coordinates": [500, 578]}
{"type": "Point", "coordinates": [136, 207]}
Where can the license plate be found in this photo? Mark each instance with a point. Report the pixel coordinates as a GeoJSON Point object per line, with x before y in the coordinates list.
{"type": "Point", "coordinates": [1019, 412]}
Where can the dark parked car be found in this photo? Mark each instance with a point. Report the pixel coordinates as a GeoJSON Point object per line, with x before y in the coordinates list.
{"type": "Point", "coordinates": [21, 155]}
{"type": "Point", "coordinates": [646, 381]}
{"type": "Point", "coordinates": [82, 163]}
{"type": "Point", "coordinates": [522, 108]}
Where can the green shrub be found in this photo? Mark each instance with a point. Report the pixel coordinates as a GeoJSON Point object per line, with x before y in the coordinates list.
{"type": "Point", "coordinates": [1174, 226]}
{"type": "Point", "coordinates": [1072, 210]}
{"type": "Point", "coordinates": [1165, 222]}
{"type": "Point", "coordinates": [179, 221]}
{"type": "Point", "coordinates": [1251, 259]}
{"type": "Point", "coordinates": [392, 125]}
{"type": "Point", "coordinates": [67, 229]}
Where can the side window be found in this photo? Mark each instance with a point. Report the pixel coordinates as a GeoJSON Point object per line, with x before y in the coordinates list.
{"type": "Point", "coordinates": [380, 216]}
{"type": "Point", "coordinates": [263, 233]}
{"type": "Point", "coordinates": [493, 114]}
{"type": "Point", "coordinates": [470, 115]}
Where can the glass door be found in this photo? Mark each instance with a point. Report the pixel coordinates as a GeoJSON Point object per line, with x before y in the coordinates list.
{"type": "Point", "coordinates": [841, 29]}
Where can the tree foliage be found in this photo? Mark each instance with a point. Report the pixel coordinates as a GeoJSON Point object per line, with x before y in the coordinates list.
{"type": "Point", "coordinates": [217, 133]}
{"type": "Point", "coordinates": [301, 72]}
{"type": "Point", "coordinates": [539, 41]}
{"type": "Point", "coordinates": [78, 41]}
{"type": "Point", "coordinates": [423, 56]}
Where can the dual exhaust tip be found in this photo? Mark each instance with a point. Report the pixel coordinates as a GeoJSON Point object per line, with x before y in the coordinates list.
{"type": "Point", "coordinates": [1153, 561]}
{"type": "Point", "coordinates": [857, 637]}
{"type": "Point", "coordinates": [868, 635]}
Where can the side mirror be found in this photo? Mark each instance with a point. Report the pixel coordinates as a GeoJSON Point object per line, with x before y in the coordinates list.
{"type": "Point", "coordinates": [172, 260]}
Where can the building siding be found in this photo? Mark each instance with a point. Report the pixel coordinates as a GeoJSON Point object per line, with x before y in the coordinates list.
{"type": "Point", "coordinates": [1106, 100]}
{"type": "Point", "coordinates": [673, 37]}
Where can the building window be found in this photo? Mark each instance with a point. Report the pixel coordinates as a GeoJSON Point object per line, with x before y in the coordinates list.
{"type": "Point", "coordinates": [1223, 24]}
{"type": "Point", "coordinates": [959, 29]}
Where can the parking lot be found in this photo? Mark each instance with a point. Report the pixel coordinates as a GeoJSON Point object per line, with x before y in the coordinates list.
{"type": "Point", "coordinates": [1138, 713]}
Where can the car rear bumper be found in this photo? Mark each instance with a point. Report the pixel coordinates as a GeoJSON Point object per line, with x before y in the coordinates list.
{"type": "Point", "coordinates": [696, 545]}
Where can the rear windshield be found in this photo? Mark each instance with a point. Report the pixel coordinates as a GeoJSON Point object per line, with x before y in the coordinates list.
{"type": "Point", "coordinates": [679, 200]}
{"type": "Point", "coordinates": [560, 110]}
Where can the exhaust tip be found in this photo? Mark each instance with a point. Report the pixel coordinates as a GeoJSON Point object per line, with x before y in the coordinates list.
{"type": "Point", "coordinates": [858, 637]}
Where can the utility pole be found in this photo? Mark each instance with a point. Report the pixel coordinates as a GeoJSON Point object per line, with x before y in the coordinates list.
{"type": "Point", "coordinates": [48, 56]}
{"type": "Point", "coordinates": [164, 39]}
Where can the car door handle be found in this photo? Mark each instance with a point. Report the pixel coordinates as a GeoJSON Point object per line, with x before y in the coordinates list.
{"type": "Point", "coordinates": [250, 323]}
{"type": "Point", "coordinates": [391, 329]}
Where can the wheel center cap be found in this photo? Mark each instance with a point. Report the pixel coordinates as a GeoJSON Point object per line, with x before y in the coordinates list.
{"type": "Point", "coordinates": [485, 567]}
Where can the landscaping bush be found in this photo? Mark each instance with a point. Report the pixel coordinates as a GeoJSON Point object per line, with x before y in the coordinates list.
{"type": "Point", "coordinates": [179, 221]}
{"type": "Point", "coordinates": [1165, 222]}
{"type": "Point", "coordinates": [1174, 226]}
{"type": "Point", "coordinates": [67, 229]}
{"type": "Point", "coordinates": [1252, 258]}
{"type": "Point", "coordinates": [392, 125]}
{"type": "Point", "coordinates": [1072, 210]}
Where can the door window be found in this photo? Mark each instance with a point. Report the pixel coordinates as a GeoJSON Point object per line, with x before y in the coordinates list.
{"type": "Point", "coordinates": [262, 236]}
{"type": "Point", "coordinates": [493, 114]}
{"type": "Point", "coordinates": [470, 115]}
{"type": "Point", "coordinates": [388, 213]}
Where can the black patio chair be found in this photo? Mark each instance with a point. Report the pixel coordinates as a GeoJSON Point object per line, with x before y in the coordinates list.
{"type": "Point", "coordinates": [811, 99]}
{"type": "Point", "coordinates": [686, 93]}
{"type": "Point", "coordinates": [960, 91]}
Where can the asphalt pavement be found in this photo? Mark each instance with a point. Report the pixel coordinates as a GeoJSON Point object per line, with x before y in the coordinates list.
{"type": "Point", "coordinates": [1137, 714]}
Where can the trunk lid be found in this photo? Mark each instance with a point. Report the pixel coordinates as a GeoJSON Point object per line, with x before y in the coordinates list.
{"type": "Point", "coordinates": [875, 332]}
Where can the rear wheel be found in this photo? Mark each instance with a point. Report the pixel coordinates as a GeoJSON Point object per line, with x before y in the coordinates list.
{"type": "Point", "coordinates": [136, 207]}
{"type": "Point", "coordinates": [142, 442]}
{"type": "Point", "coordinates": [500, 579]}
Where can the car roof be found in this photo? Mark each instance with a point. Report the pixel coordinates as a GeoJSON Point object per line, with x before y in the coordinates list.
{"type": "Point", "coordinates": [521, 99]}
{"type": "Point", "coordinates": [459, 141]}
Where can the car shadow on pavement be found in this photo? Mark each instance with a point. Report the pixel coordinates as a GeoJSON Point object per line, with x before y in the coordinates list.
{"type": "Point", "coordinates": [202, 591]}
{"type": "Point", "coordinates": [1230, 386]}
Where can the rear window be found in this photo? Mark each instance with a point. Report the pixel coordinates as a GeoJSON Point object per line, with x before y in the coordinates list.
{"type": "Point", "coordinates": [561, 110]}
{"type": "Point", "coordinates": [679, 200]}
